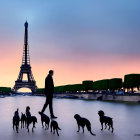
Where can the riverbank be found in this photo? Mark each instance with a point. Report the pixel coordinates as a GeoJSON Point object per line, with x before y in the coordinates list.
{"type": "Point", "coordinates": [86, 96]}
{"type": "Point", "coordinates": [104, 97]}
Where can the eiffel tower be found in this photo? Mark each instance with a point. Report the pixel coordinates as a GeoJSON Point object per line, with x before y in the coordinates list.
{"type": "Point", "coordinates": [25, 68]}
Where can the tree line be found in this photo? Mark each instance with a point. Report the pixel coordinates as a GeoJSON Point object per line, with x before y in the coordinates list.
{"type": "Point", "coordinates": [131, 81]}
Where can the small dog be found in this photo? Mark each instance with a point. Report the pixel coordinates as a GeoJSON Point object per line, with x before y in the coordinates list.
{"type": "Point", "coordinates": [44, 118]}
{"type": "Point", "coordinates": [30, 119]}
{"type": "Point", "coordinates": [54, 126]}
{"type": "Point", "coordinates": [83, 122]}
{"type": "Point", "coordinates": [105, 119]}
{"type": "Point", "coordinates": [16, 120]}
{"type": "Point", "coordinates": [23, 120]}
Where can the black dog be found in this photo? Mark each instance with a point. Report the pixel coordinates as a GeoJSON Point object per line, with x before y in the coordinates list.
{"type": "Point", "coordinates": [44, 118]}
{"type": "Point", "coordinates": [16, 120]}
{"type": "Point", "coordinates": [30, 119]}
{"type": "Point", "coordinates": [105, 119]}
{"type": "Point", "coordinates": [54, 126]}
{"type": "Point", "coordinates": [23, 120]}
{"type": "Point", "coordinates": [83, 122]}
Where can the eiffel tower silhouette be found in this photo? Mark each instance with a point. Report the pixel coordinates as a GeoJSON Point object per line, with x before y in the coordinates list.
{"type": "Point", "coordinates": [25, 68]}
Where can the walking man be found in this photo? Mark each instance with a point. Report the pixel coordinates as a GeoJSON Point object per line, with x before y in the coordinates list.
{"type": "Point", "coordinates": [49, 90]}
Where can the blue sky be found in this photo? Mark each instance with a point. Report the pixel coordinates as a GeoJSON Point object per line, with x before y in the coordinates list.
{"type": "Point", "coordinates": [79, 23]}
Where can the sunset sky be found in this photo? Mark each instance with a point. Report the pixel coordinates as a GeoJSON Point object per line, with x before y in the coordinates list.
{"type": "Point", "coordinates": [78, 39]}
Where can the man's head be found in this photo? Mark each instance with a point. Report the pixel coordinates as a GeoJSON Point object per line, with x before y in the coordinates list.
{"type": "Point", "coordinates": [51, 72]}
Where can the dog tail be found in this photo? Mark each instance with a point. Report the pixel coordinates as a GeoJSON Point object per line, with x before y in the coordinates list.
{"type": "Point", "coordinates": [111, 119]}
{"type": "Point", "coordinates": [59, 128]}
{"type": "Point", "coordinates": [89, 129]}
{"type": "Point", "coordinates": [92, 133]}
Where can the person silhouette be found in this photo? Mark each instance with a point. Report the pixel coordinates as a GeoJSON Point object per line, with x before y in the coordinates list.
{"type": "Point", "coordinates": [49, 90]}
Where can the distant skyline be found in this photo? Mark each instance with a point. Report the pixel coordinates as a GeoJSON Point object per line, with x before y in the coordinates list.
{"type": "Point", "coordinates": [78, 39]}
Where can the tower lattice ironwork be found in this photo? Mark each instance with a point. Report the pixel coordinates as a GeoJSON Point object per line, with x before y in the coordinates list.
{"type": "Point", "coordinates": [25, 68]}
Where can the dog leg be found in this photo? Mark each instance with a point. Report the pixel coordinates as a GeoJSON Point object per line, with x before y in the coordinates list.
{"type": "Point", "coordinates": [46, 127]}
{"type": "Point", "coordinates": [21, 124]}
{"type": "Point", "coordinates": [13, 126]}
{"type": "Point", "coordinates": [83, 129]}
{"type": "Point", "coordinates": [105, 125]}
{"type": "Point", "coordinates": [32, 129]}
{"type": "Point", "coordinates": [51, 128]}
{"type": "Point", "coordinates": [28, 127]}
{"type": "Point", "coordinates": [34, 125]}
{"type": "Point", "coordinates": [78, 128]}
{"type": "Point", "coordinates": [53, 131]}
{"type": "Point", "coordinates": [25, 124]}
{"type": "Point", "coordinates": [42, 124]}
{"type": "Point", "coordinates": [109, 127]}
{"type": "Point", "coordinates": [112, 129]}
{"type": "Point", "coordinates": [17, 128]}
{"type": "Point", "coordinates": [101, 126]}
{"type": "Point", "coordinates": [57, 132]}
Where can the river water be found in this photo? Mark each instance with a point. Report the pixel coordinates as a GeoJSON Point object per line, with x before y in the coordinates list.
{"type": "Point", "coordinates": [126, 117]}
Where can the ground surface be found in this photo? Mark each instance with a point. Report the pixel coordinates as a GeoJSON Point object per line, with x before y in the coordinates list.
{"type": "Point", "coordinates": [126, 119]}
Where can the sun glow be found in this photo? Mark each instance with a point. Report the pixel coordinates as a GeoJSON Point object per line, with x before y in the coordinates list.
{"type": "Point", "coordinates": [24, 90]}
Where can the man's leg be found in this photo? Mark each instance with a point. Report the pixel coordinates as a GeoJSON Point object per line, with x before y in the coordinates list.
{"type": "Point", "coordinates": [45, 105]}
{"type": "Point", "coordinates": [51, 107]}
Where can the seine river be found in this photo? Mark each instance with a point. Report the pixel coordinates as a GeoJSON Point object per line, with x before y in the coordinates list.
{"type": "Point", "coordinates": [126, 117]}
